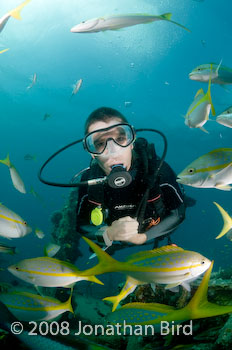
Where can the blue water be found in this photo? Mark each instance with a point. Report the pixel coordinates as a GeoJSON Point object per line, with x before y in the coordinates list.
{"type": "Point", "coordinates": [147, 65]}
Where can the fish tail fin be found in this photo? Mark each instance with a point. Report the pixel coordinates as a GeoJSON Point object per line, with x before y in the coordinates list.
{"type": "Point", "coordinates": [200, 296]}
{"type": "Point", "coordinates": [6, 161]}
{"type": "Point", "coordinates": [200, 91]}
{"type": "Point", "coordinates": [199, 306]}
{"type": "Point", "coordinates": [218, 67]}
{"type": "Point", "coordinates": [4, 50]}
{"type": "Point", "coordinates": [168, 16]}
{"type": "Point", "coordinates": [95, 280]}
{"type": "Point", "coordinates": [209, 93]}
{"type": "Point", "coordinates": [14, 251]}
{"type": "Point", "coordinates": [115, 300]}
{"type": "Point", "coordinates": [45, 251]}
{"type": "Point", "coordinates": [106, 262]}
{"type": "Point", "coordinates": [16, 11]}
{"type": "Point", "coordinates": [203, 129]}
{"type": "Point", "coordinates": [39, 290]}
{"type": "Point", "coordinates": [227, 221]}
{"type": "Point", "coordinates": [68, 304]}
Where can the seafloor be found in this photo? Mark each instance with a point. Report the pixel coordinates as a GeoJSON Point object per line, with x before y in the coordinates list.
{"type": "Point", "coordinates": [210, 333]}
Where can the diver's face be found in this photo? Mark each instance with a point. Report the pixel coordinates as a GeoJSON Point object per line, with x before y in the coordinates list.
{"type": "Point", "coordinates": [113, 154]}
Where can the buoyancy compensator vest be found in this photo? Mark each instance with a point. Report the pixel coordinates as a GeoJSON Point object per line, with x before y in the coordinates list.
{"type": "Point", "coordinates": [141, 199]}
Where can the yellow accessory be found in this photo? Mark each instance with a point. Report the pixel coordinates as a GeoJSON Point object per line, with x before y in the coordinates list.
{"type": "Point", "coordinates": [97, 216]}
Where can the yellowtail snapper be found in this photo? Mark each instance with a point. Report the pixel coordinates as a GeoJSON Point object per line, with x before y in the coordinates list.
{"type": "Point", "coordinates": [198, 112]}
{"type": "Point", "coordinates": [4, 50]}
{"type": "Point", "coordinates": [51, 249]}
{"type": "Point", "coordinates": [128, 288]}
{"type": "Point", "coordinates": [58, 342]}
{"type": "Point", "coordinates": [76, 87]}
{"type": "Point", "coordinates": [15, 177]}
{"type": "Point", "coordinates": [49, 272]}
{"type": "Point", "coordinates": [154, 313]}
{"type": "Point", "coordinates": [27, 306]}
{"type": "Point", "coordinates": [5, 249]}
{"type": "Point", "coordinates": [169, 265]}
{"type": "Point", "coordinates": [11, 224]}
{"type": "Point", "coordinates": [219, 74]}
{"type": "Point", "coordinates": [212, 170]}
{"type": "Point", "coordinates": [225, 118]}
{"type": "Point", "coordinates": [227, 222]}
{"type": "Point", "coordinates": [13, 13]}
{"type": "Point", "coordinates": [116, 22]}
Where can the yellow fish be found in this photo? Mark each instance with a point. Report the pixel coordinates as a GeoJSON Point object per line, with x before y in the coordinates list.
{"type": "Point", "coordinates": [115, 22]}
{"type": "Point", "coordinates": [212, 170]}
{"type": "Point", "coordinates": [15, 177]}
{"type": "Point", "coordinates": [169, 265]}
{"type": "Point", "coordinates": [13, 13]}
{"type": "Point", "coordinates": [11, 224]}
{"type": "Point", "coordinates": [198, 112]}
{"type": "Point", "coordinates": [49, 272]}
{"type": "Point", "coordinates": [32, 307]}
{"type": "Point", "coordinates": [51, 249]}
{"type": "Point", "coordinates": [225, 118]}
{"type": "Point", "coordinates": [39, 233]}
{"type": "Point", "coordinates": [7, 250]}
{"type": "Point", "coordinates": [227, 222]}
{"type": "Point", "coordinates": [76, 87]}
{"type": "Point", "coordinates": [219, 74]}
{"type": "Point", "coordinates": [128, 288]}
{"type": "Point", "coordinates": [154, 313]}
{"type": "Point", "coordinates": [4, 50]}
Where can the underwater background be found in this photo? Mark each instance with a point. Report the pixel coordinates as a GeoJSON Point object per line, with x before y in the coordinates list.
{"type": "Point", "coordinates": [142, 71]}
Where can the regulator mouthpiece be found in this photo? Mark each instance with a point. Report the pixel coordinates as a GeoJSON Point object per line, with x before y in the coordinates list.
{"type": "Point", "coordinates": [119, 177]}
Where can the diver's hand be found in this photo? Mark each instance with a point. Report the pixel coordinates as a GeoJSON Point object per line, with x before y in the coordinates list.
{"type": "Point", "coordinates": [139, 238]}
{"type": "Point", "coordinates": [125, 229]}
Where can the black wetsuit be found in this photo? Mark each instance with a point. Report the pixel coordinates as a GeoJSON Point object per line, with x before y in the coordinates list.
{"type": "Point", "coordinates": [165, 208]}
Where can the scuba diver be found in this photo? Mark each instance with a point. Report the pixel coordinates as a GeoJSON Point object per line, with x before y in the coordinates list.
{"type": "Point", "coordinates": [141, 201]}
{"type": "Point", "coordinates": [128, 195]}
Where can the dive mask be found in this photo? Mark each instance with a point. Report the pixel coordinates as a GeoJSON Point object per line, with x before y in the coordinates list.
{"type": "Point", "coordinates": [97, 141]}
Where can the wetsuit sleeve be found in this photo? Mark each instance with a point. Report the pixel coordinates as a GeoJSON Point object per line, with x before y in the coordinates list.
{"type": "Point", "coordinates": [173, 202]}
{"type": "Point", "coordinates": [171, 192]}
{"type": "Point", "coordinates": [168, 224]}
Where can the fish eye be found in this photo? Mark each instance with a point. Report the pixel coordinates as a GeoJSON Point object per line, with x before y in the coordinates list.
{"type": "Point", "coordinates": [16, 268]}
{"type": "Point", "coordinates": [191, 170]}
{"type": "Point", "coordinates": [203, 262]}
{"type": "Point", "coordinates": [198, 69]}
{"type": "Point", "coordinates": [25, 223]}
